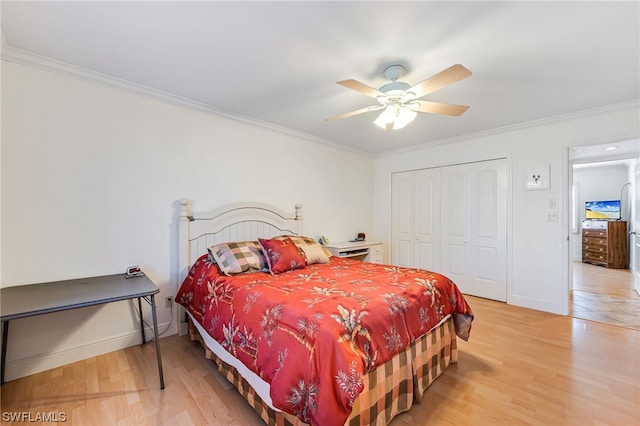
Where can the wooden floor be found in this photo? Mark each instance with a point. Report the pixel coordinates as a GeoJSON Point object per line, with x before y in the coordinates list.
{"type": "Point", "coordinates": [605, 295]}
{"type": "Point", "coordinates": [520, 367]}
{"type": "Point", "coordinates": [600, 280]}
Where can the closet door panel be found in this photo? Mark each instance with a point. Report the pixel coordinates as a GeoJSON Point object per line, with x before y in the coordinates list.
{"type": "Point", "coordinates": [403, 253]}
{"type": "Point", "coordinates": [487, 265]}
{"type": "Point", "coordinates": [488, 228]}
{"type": "Point", "coordinates": [486, 188]}
{"type": "Point", "coordinates": [455, 224]}
{"type": "Point", "coordinates": [484, 225]}
{"type": "Point", "coordinates": [455, 204]}
{"type": "Point", "coordinates": [456, 267]}
{"type": "Point", "coordinates": [402, 217]}
{"type": "Point", "coordinates": [427, 219]}
{"type": "Point", "coordinates": [426, 254]}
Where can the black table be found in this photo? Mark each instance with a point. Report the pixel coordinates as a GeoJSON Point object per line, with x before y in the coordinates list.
{"type": "Point", "coordinates": [37, 299]}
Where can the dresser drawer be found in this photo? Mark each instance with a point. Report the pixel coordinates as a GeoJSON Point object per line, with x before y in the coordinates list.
{"type": "Point", "coordinates": [594, 248]}
{"type": "Point", "coordinates": [598, 233]}
{"type": "Point", "coordinates": [592, 241]}
{"type": "Point", "coordinates": [376, 254]}
{"type": "Point", "coordinates": [600, 258]}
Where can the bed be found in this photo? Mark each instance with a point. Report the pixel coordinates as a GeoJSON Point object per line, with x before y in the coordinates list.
{"type": "Point", "coordinates": [307, 338]}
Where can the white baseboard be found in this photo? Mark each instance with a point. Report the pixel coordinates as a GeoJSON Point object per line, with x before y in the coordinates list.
{"type": "Point", "coordinates": [539, 305]}
{"type": "Point", "coordinates": [42, 362]}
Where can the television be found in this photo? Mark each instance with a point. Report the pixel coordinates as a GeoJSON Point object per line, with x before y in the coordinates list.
{"type": "Point", "coordinates": [602, 210]}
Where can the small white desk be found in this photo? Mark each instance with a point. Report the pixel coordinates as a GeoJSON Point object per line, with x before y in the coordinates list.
{"type": "Point", "coordinates": [37, 299]}
{"type": "Point", "coordinates": [366, 251]}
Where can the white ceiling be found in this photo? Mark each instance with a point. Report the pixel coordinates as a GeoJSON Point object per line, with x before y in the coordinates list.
{"type": "Point", "coordinates": [278, 62]}
{"type": "Point", "coordinates": [620, 152]}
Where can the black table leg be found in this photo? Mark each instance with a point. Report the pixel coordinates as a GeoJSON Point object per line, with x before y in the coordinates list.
{"type": "Point", "coordinates": [5, 333]}
{"type": "Point", "coordinates": [141, 322]}
{"type": "Point", "coordinates": [157, 339]}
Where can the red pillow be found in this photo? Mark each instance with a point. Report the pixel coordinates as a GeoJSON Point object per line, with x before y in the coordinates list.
{"type": "Point", "coordinates": [282, 255]}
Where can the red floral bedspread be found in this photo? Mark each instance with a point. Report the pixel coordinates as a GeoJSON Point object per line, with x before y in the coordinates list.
{"type": "Point", "coordinates": [312, 333]}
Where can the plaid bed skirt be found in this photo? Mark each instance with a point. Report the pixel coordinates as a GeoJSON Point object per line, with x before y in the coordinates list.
{"type": "Point", "coordinates": [389, 390]}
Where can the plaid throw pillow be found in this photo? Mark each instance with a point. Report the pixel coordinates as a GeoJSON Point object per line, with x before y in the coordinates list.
{"type": "Point", "coordinates": [310, 250]}
{"type": "Point", "coordinates": [239, 257]}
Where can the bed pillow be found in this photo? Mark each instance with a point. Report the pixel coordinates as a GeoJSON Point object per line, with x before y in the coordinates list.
{"type": "Point", "coordinates": [310, 249]}
{"type": "Point", "coordinates": [239, 257]}
{"type": "Point", "coordinates": [282, 255]}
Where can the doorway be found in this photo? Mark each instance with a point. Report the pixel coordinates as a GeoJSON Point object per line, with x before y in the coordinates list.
{"type": "Point", "coordinates": [602, 172]}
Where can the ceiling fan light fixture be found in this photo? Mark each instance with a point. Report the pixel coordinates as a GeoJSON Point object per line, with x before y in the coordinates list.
{"type": "Point", "coordinates": [386, 117]}
{"type": "Point", "coordinates": [395, 117]}
{"type": "Point", "coordinates": [405, 116]}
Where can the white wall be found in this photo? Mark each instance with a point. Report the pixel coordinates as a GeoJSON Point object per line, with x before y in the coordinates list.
{"type": "Point", "coordinates": [538, 253]}
{"type": "Point", "coordinates": [91, 178]}
{"type": "Point", "coordinates": [598, 182]}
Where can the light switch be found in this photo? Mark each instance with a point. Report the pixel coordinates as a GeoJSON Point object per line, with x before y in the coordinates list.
{"type": "Point", "coordinates": [551, 203]}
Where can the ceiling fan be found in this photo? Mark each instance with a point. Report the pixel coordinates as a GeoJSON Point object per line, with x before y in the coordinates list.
{"type": "Point", "coordinates": [401, 102]}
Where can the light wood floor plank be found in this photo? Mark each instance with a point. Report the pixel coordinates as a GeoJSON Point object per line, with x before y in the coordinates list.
{"type": "Point", "coordinates": [520, 367]}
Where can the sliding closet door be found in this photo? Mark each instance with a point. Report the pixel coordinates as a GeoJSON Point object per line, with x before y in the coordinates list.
{"type": "Point", "coordinates": [474, 227]}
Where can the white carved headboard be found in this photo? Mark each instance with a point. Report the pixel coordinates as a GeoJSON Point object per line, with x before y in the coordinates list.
{"type": "Point", "coordinates": [234, 222]}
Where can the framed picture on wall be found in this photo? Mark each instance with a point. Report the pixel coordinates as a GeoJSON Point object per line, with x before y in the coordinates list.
{"type": "Point", "coordinates": [537, 178]}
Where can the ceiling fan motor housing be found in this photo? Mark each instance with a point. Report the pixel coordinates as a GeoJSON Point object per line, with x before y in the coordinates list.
{"type": "Point", "coordinates": [398, 86]}
{"type": "Point", "coordinates": [394, 72]}
{"type": "Point", "coordinates": [394, 90]}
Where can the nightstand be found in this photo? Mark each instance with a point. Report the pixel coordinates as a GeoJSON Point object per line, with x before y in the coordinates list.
{"type": "Point", "coordinates": [367, 251]}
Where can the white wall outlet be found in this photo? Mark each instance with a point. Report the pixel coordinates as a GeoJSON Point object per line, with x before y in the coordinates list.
{"type": "Point", "coordinates": [167, 302]}
{"type": "Point", "coordinates": [551, 217]}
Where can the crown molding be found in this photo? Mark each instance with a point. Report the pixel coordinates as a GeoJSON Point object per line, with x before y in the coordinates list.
{"type": "Point", "coordinates": [30, 59]}
{"type": "Point", "coordinates": [635, 103]}
{"type": "Point", "coordinates": [33, 60]}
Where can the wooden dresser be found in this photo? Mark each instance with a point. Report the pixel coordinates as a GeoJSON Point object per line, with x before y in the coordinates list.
{"type": "Point", "coordinates": [604, 243]}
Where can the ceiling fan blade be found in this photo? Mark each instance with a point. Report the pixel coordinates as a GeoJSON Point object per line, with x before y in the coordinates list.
{"type": "Point", "coordinates": [356, 112]}
{"type": "Point", "coordinates": [361, 87]}
{"type": "Point", "coordinates": [437, 107]}
{"type": "Point", "coordinates": [444, 78]}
